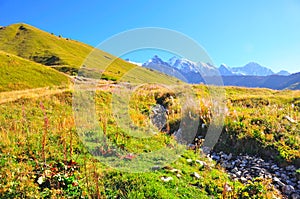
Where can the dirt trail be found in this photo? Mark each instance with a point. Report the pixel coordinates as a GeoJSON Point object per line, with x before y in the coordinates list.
{"type": "Point", "coordinates": [29, 93]}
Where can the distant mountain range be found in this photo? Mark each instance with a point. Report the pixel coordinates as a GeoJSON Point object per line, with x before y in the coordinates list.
{"type": "Point", "coordinates": [250, 75]}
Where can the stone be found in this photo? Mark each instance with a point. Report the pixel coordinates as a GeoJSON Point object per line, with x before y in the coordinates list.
{"type": "Point", "coordinates": [155, 168]}
{"type": "Point", "coordinates": [274, 167]}
{"type": "Point", "coordinates": [288, 189]}
{"type": "Point", "coordinates": [242, 165]}
{"type": "Point", "coordinates": [196, 175]}
{"type": "Point", "coordinates": [229, 156]}
{"type": "Point", "coordinates": [175, 171]}
{"type": "Point", "coordinates": [295, 196]}
{"type": "Point", "coordinates": [290, 168]}
{"type": "Point", "coordinates": [226, 165]}
{"type": "Point", "coordinates": [158, 116]}
{"type": "Point", "coordinates": [166, 179]}
{"type": "Point", "coordinates": [243, 179]}
{"type": "Point", "coordinates": [278, 181]}
{"type": "Point", "coordinates": [294, 180]}
{"type": "Point", "coordinates": [234, 170]}
{"type": "Point", "coordinates": [201, 163]}
{"type": "Point", "coordinates": [289, 119]}
{"type": "Point", "coordinates": [239, 173]}
{"type": "Point", "coordinates": [233, 175]}
{"type": "Point", "coordinates": [215, 157]}
{"type": "Point", "coordinates": [283, 176]}
{"type": "Point", "coordinates": [191, 146]}
{"type": "Point", "coordinates": [256, 168]}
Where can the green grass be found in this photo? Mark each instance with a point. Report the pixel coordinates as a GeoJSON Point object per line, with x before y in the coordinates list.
{"type": "Point", "coordinates": [256, 123]}
{"type": "Point", "coordinates": [31, 43]}
{"type": "Point", "coordinates": [39, 130]}
{"type": "Point", "coordinates": [18, 74]}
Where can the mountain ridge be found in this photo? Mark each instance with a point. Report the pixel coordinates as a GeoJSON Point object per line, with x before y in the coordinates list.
{"type": "Point", "coordinates": [249, 75]}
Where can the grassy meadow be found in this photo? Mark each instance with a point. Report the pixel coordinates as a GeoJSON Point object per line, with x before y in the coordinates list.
{"type": "Point", "coordinates": [43, 156]}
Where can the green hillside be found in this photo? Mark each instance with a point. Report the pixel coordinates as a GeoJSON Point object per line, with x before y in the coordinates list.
{"type": "Point", "coordinates": [67, 55]}
{"type": "Point", "coordinates": [18, 73]}
{"type": "Point", "coordinates": [31, 43]}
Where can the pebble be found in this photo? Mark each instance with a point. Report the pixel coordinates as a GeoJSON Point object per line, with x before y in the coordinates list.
{"type": "Point", "coordinates": [295, 196]}
{"type": "Point", "coordinates": [201, 163]}
{"type": "Point", "coordinates": [166, 179]}
{"type": "Point", "coordinates": [196, 175]}
{"type": "Point", "coordinates": [245, 168]}
{"type": "Point", "coordinates": [288, 189]}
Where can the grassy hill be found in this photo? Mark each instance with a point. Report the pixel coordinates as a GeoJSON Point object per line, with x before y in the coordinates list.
{"type": "Point", "coordinates": [31, 43]}
{"type": "Point", "coordinates": [18, 73]}
{"type": "Point", "coordinates": [67, 55]}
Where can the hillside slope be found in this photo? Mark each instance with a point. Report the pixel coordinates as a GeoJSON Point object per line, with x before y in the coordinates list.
{"type": "Point", "coordinates": [17, 73]}
{"type": "Point", "coordinates": [31, 43]}
{"type": "Point", "coordinates": [67, 55]}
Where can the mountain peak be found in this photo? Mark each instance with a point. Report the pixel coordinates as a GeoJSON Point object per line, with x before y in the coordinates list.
{"type": "Point", "coordinates": [155, 60]}
{"type": "Point", "coordinates": [252, 69]}
{"type": "Point", "coordinates": [283, 72]}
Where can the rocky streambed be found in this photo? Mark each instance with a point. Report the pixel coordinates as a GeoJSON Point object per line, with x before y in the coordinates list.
{"type": "Point", "coordinates": [245, 168]}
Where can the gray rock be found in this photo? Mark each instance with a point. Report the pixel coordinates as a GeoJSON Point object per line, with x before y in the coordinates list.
{"type": "Point", "coordinates": [283, 176]}
{"type": "Point", "coordinates": [288, 189]}
{"type": "Point", "coordinates": [278, 181]}
{"type": "Point", "coordinates": [256, 168]}
{"type": "Point", "coordinates": [289, 119]}
{"type": "Point", "coordinates": [201, 163]}
{"type": "Point", "coordinates": [196, 175]}
{"type": "Point", "coordinates": [243, 180]}
{"type": "Point", "coordinates": [277, 174]}
{"type": "Point", "coordinates": [290, 168]}
{"type": "Point", "coordinates": [166, 179]}
{"type": "Point", "coordinates": [295, 196]}
{"type": "Point", "coordinates": [155, 168]}
{"type": "Point", "coordinates": [158, 116]}
{"type": "Point", "coordinates": [215, 157]}
{"type": "Point", "coordinates": [226, 165]}
{"type": "Point", "coordinates": [234, 170]}
{"type": "Point", "coordinates": [274, 167]}
{"type": "Point", "coordinates": [239, 173]}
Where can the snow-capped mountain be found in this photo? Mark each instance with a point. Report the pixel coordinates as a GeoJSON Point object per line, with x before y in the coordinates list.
{"type": "Point", "coordinates": [225, 70]}
{"type": "Point", "coordinates": [189, 71]}
{"type": "Point", "coordinates": [250, 75]}
{"type": "Point", "coordinates": [252, 69]}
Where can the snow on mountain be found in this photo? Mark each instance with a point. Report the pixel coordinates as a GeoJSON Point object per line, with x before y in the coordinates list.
{"type": "Point", "coordinates": [155, 60]}
{"type": "Point", "coordinates": [193, 72]}
{"type": "Point", "coordinates": [225, 70]}
{"type": "Point", "coordinates": [184, 65]}
{"type": "Point", "coordinates": [283, 72]}
{"type": "Point", "coordinates": [252, 69]}
{"type": "Point", "coordinates": [132, 62]}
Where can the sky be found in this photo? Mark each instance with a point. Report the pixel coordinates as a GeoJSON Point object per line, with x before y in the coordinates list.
{"type": "Point", "coordinates": [233, 32]}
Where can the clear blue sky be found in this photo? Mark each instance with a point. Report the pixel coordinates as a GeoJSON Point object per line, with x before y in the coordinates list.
{"type": "Point", "coordinates": [232, 32]}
